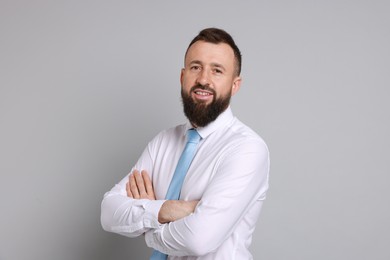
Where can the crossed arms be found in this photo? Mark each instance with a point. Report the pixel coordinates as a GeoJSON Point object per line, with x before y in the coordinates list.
{"type": "Point", "coordinates": [140, 187]}
{"type": "Point", "coordinates": [233, 190]}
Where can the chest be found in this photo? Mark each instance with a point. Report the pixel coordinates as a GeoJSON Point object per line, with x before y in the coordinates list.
{"type": "Point", "coordinates": [200, 173]}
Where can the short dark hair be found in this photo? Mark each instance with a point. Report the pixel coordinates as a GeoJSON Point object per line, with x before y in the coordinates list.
{"type": "Point", "coordinates": [215, 35]}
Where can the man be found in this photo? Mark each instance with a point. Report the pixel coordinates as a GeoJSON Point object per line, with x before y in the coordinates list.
{"type": "Point", "coordinates": [226, 183]}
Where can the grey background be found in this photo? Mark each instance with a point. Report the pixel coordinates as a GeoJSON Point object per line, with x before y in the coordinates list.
{"type": "Point", "coordinates": [84, 85]}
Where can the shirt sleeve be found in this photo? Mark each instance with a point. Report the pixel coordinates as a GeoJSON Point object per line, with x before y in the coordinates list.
{"type": "Point", "coordinates": [126, 216]}
{"type": "Point", "coordinates": [240, 183]}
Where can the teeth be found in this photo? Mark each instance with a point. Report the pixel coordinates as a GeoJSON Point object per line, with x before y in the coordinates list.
{"type": "Point", "coordinates": [202, 93]}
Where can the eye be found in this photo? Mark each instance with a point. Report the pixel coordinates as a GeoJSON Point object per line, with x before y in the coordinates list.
{"type": "Point", "coordinates": [217, 71]}
{"type": "Point", "coordinates": [195, 67]}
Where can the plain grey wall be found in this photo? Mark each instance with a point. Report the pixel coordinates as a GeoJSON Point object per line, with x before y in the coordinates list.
{"type": "Point", "coordinates": [84, 85]}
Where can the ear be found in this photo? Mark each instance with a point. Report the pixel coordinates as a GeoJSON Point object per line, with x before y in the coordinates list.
{"type": "Point", "coordinates": [181, 77]}
{"type": "Point", "coordinates": [236, 85]}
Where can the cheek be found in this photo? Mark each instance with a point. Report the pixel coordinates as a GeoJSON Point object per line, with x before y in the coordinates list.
{"type": "Point", "coordinates": [224, 89]}
{"type": "Point", "coordinates": [187, 82]}
{"type": "Point", "coordinates": [185, 87]}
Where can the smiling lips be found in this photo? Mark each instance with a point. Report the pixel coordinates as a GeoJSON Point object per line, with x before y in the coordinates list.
{"type": "Point", "coordinates": [201, 94]}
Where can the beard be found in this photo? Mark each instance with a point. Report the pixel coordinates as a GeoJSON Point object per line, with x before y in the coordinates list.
{"type": "Point", "coordinates": [199, 113]}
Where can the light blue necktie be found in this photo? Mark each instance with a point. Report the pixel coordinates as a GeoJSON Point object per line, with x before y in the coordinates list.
{"type": "Point", "coordinates": [174, 189]}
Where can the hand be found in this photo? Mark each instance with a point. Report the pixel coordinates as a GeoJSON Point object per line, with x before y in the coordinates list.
{"type": "Point", "coordinates": [140, 186]}
{"type": "Point", "coordinates": [173, 210]}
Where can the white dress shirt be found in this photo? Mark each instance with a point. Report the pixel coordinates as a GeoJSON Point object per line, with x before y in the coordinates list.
{"type": "Point", "coordinates": [229, 175]}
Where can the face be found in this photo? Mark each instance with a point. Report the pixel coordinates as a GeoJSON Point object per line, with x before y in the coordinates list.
{"type": "Point", "coordinates": [208, 80]}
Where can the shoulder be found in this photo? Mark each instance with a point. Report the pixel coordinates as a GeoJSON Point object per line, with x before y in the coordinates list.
{"type": "Point", "coordinates": [169, 135]}
{"type": "Point", "coordinates": [172, 132]}
{"type": "Point", "coordinates": [243, 137]}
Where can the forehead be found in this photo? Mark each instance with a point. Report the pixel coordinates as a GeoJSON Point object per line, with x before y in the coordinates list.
{"type": "Point", "coordinates": [207, 52]}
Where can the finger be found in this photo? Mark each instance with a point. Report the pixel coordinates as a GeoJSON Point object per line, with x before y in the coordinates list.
{"type": "Point", "coordinates": [140, 184]}
{"type": "Point", "coordinates": [133, 187]}
{"type": "Point", "coordinates": [148, 185]}
{"type": "Point", "coordinates": [128, 191]}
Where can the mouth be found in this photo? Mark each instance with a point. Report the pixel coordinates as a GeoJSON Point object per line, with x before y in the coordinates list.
{"type": "Point", "coordinates": [202, 95]}
{"type": "Point", "coordinates": [202, 92]}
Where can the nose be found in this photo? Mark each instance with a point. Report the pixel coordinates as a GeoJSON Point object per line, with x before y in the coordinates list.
{"type": "Point", "coordinates": [203, 77]}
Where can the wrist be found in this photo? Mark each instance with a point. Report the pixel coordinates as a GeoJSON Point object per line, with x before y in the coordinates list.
{"type": "Point", "coordinates": [169, 211]}
{"type": "Point", "coordinates": [164, 213]}
{"type": "Point", "coordinates": [172, 210]}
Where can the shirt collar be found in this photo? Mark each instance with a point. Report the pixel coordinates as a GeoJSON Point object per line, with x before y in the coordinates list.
{"type": "Point", "coordinates": [222, 120]}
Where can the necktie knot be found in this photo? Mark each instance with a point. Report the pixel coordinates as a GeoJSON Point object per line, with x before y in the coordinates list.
{"type": "Point", "coordinates": [193, 136]}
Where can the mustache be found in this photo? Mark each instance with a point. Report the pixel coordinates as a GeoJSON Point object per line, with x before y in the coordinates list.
{"type": "Point", "coordinates": [203, 87]}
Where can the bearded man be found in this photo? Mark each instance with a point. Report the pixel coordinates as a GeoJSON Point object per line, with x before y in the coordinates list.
{"type": "Point", "coordinates": [198, 188]}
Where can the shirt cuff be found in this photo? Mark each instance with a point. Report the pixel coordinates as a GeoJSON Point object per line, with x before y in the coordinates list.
{"type": "Point", "coordinates": [152, 208]}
